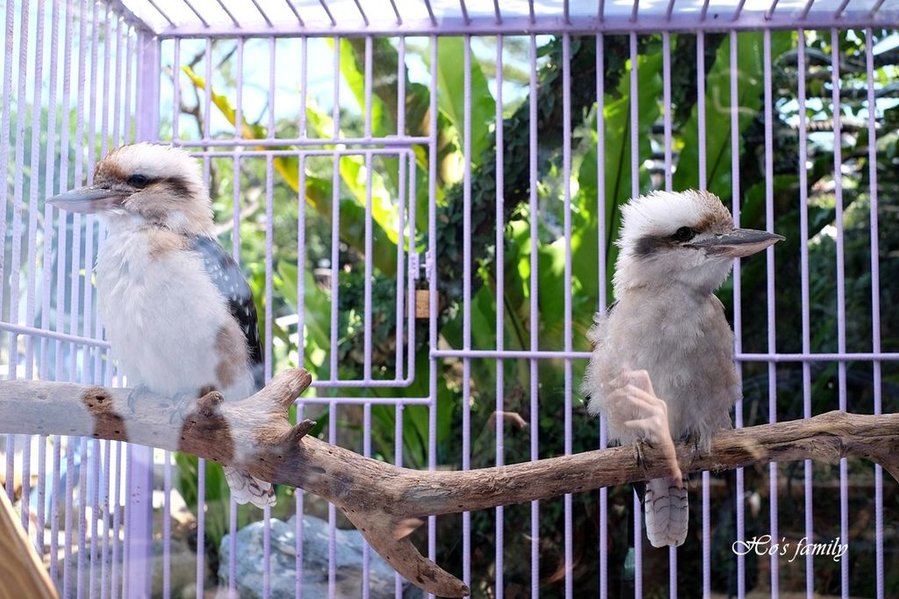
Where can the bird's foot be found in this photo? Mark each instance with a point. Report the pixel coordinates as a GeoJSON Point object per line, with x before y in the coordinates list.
{"type": "Point", "coordinates": [182, 405]}
{"type": "Point", "coordinates": [135, 393]}
{"type": "Point", "coordinates": [694, 443]}
{"type": "Point", "coordinates": [639, 451]}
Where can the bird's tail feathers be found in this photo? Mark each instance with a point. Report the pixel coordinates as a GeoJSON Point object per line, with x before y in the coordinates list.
{"type": "Point", "coordinates": [667, 513]}
{"type": "Point", "coordinates": [247, 489]}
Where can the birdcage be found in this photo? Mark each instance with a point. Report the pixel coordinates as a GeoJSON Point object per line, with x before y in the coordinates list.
{"type": "Point", "coordinates": [424, 196]}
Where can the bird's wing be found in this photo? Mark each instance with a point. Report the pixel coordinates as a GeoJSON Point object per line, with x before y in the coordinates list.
{"type": "Point", "coordinates": [593, 335]}
{"type": "Point", "coordinates": [229, 279]}
{"type": "Point", "coordinates": [610, 308]}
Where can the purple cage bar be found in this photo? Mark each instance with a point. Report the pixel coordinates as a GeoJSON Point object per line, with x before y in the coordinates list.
{"type": "Point", "coordinates": [108, 73]}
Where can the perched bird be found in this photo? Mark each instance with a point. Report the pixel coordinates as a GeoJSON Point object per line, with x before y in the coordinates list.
{"type": "Point", "coordinates": [667, 337]}
{"type": "Point", "coordinates": [178, 312]}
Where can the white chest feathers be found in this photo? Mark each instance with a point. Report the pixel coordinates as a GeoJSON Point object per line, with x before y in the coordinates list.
{"type": "Point", "coordinates": [686, 346]}
{"type": "Point", "coordinates": [168, 324]}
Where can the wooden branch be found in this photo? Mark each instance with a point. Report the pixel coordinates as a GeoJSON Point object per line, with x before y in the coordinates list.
{"type": "Point", "coordinates": [385, 502]}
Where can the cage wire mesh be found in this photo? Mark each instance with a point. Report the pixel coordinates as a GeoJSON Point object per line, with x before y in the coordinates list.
{"type": "Point", "coordinates": [424, 197]}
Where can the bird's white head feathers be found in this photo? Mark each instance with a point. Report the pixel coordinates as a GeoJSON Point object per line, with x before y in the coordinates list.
{"type": "Point", "coordinates": [662, 213]}
{"type": "Point", "coordinates": [164, 186]}
{"type": "Point", "coordinates": [685, 238]}
{"type": "Point", "coordinates": [146, 184]}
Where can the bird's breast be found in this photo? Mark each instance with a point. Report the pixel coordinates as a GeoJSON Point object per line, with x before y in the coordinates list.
{"type": "Point", "coordinates": [164, 318]}
{"type": "Point", "coordinates": [686, 347]}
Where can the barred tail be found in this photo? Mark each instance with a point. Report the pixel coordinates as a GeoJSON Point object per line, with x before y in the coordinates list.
{"type": "Point", "coordinates": [247, 489]}
{"type": "Point", "coordinates": [666, 510]}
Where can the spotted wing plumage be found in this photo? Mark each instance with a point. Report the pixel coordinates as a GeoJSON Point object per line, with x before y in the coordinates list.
{"type": "Point", "coordinates": [227, 276]}
{"type": "Point", "coordinates": [229, 279]}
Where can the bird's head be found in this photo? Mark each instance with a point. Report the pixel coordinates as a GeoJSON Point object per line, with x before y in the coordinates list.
{"type": "Point", "coordinates": [685, 238]}
{"type": "Point", "coordinates": [145, 184]}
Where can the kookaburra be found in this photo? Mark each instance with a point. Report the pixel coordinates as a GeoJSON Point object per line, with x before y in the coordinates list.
{"type": "Point", "coordinates": [178, 312]}
{"type": "Point", "coordinates": [667, 326]}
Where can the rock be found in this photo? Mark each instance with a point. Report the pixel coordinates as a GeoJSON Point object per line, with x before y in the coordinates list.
{"type": "Point", "coordinates": [348, 550]}
{"type": "Point", "coordinates": [183, 573]}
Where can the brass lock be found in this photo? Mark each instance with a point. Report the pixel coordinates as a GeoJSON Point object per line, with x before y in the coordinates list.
{"type": "Point", "coordinates": [422, 303]}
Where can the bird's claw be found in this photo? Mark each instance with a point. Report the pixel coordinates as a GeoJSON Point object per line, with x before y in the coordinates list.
{"type": "Point", "coordinates": [136, 392]}
{"type": "Point", "coordinates": [180, 402]}
{"type": "Point", "coordinates": [694, 443]}
{"type": "Point", "coordinates": [639, 454]}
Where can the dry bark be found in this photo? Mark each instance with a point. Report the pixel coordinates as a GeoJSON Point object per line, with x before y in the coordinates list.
{"type": "Point", "coordinates": [386, 502]}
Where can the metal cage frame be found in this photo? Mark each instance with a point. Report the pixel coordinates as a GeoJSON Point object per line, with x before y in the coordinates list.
{"type": "Point", "coordinates": [105, 63]}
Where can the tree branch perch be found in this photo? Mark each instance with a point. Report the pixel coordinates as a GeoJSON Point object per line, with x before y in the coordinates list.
{"type": "Point", "coordinates": [386, 502]}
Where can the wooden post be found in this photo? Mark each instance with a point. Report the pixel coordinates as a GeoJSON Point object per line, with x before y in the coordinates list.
{"type": "Point", "coordinates": [21, 571]}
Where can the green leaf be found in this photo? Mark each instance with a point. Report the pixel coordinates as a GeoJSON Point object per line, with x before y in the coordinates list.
{"type": "Point", "coordinates": [750, 66]}
{"type": "Point", "coordinates": [384, 68]}
{"type": "Point", "coordinates": [451, 95]}
{"type": "Point", "coordinates": [247, 130]}
{"type": "Point", "coordinates": [416, 419]}
{"type": "Point", "coordinates": [352, 213]}
{"type": "Point", "coordinates": [316, 339]}
{"type": "Point", "coordinates": [617, 184]}
{"type": "Point", "coordinates": [319, 191]}
{"type": "Point", "coordinates": [384, 212]}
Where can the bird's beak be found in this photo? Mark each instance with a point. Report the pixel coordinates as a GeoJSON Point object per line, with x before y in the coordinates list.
{"type": "Point", "coordinates": [739, 243]}
{"type": "Point", "coordinates": [88, 199]}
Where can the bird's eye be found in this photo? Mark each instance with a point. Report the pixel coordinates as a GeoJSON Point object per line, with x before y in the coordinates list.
{"type": "Point", "coordinates": [139, 181]}
{"type": "Point", "coordinates": [684, 234]}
